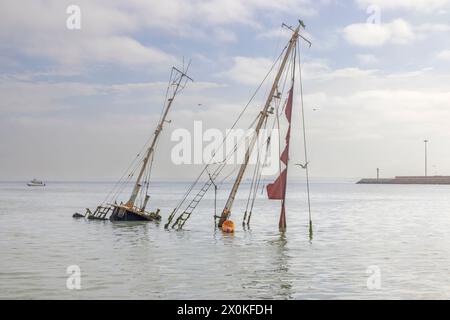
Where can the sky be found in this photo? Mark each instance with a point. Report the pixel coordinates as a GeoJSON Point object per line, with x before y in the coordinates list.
{"type": "Point", "coordinates": [79, 104]}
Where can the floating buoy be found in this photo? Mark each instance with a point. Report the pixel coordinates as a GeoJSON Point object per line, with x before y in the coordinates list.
{"type": "Point", "coordinates": [228, 226]}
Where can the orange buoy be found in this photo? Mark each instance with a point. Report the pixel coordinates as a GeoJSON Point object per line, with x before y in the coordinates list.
{"type": "Point", "coordinates": [228, 226]}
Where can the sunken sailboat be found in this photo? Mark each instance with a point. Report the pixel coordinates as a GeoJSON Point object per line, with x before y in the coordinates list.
{"type": "Point", "coordinates": [279, 101]}
{"type": "Point", "coordinates": [135, 209]}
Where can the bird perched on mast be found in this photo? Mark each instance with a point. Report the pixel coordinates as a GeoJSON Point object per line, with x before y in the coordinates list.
{"type": "Point", "coordinates": [302, 24]}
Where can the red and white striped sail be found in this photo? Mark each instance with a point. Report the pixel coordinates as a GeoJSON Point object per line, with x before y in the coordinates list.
{"type": "Point", "coordinates": [277, 190]}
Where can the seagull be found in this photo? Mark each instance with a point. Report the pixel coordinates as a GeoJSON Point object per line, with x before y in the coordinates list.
{"type": "Point", "coordinates": [304, 166]}
{"type": "Point", "coordinates": [302, 24]}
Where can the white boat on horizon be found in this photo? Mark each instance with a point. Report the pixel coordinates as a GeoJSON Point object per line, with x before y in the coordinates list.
{"type": "Point", "coordinates": [36, 183]}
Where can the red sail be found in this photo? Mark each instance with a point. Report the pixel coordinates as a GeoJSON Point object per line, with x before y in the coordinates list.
{"type": "Point", "coordinates": [285, 155]}
{"type": "Point", "coordinates": [277, 190]}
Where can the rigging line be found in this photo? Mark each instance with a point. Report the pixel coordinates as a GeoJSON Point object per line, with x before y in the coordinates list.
{"type": "Point", "coordinates": [237, 145]}
{"type": "Point", "coordinates": [229, 175]}
{"type": "Point", "coordinates": [183, 86]}
{"type": "Point", "coordinates": [279, 142]}
{"type": "Point", "coordinates": [259, 147]}
{"type": "Point", "coordinates": [232, 127]}
{"type": "Point", "coordinates": [150, 166]}
{"type": "Point", "coordinates": [278, 61]}
{"type": "Point", "coordinates": [139, 199]}
{"type": "Point", "coordinates": [143, 191]}
{"type": "Point", "coordinates": [278, 118]}
{"type": "Point", "coordinates": [278, 41]}
{"type": "Point", "coordinates": [230, 154]}
{"type": "Point", "coordinates": [121, 180]}
{"type": "Point", "coordinates": [252, 97]}
{"type": "Point", "coordinates": [255, 191]}
{"type": "Point", "coordinates": [149, 173]}
{"type": "Point", "coordinates": [192, 186]}
{"type": "Point", "coordinates": [226, 137]}
{"type": "Point", "coordinates": [177, 90]}
{"type": "Point", "coordinates": [186, 195]}
{"type": "Point", "coordinates": [304, 139]}
{"type": "Point", "coordinates": [259, 87]}
{"type": "Point", "coordinates": [126, 181]}
{"type": "Point", "coordinates": [119, 185]}
{"type": "Point", "coordinates": [276, 123]}
{"type": "Point", "coordinates": [254, 175]}
{"type": "Point", "coordinates": [255, 181]}
{"type": "Point", "coordinates": [167, 95]}
{"type": "Point", "coordinates": [284, 84]}
{"type": "Point", "coordinates": [258, 183]}
{"type": "Point", "coordinates": [216, 172]}
{"type": "Point", "coordinates": [260, 167]}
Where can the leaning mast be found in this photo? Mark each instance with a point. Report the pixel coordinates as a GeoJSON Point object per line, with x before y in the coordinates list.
{"type": "Point", "coordinates": [159, 128]}
{"type": "Point", "coordinates": [129, 211]}
{"type": "Point", "coordinates": [263, 115]}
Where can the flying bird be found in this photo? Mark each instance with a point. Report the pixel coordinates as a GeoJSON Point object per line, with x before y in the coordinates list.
{"type": "Point", "coordinates": [304, 166]}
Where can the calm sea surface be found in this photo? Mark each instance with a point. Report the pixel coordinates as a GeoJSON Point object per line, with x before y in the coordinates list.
{"type": "Point", "coordinates": [401, 231]}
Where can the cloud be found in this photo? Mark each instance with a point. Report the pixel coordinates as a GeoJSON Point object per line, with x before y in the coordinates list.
{"type": "Point", "coordinates": [108, 27]}
{"type": "Point", "coordinates": [367, 59]}
{"type": "Point", "coordinates": [317, 70]}
{"type": "Point", "coordinates": [224, 35]}
{"type": "Point", "coordinates": [252, 71]}
{"type": "Point", "coordinates": [40, 31]}
{"type": "Point", "coordinates": [248, 70]}
{"type": "Point", "coordinates": [38, 97]}
{"type": "Point", "coordinates": [372, 115]}
{"type": "Point", "coordinates": [179, 16]}
{"type": "Point", "coordinates": [275, 33]}
{"type": "Point", "coordinates": [444, 55]}
{"type": "Point", "coordinates": [432, 28]}
{"type": "Point", "coordinates": [121, 50]}
{"type": "Point", "coordinates": [399, 32]}
{"type": "Point", "coordinates": [376, 35]}
{"type": "Point", "coordinates": [31, 98]}
{"type": "Point", "coordinates": [427, 6]}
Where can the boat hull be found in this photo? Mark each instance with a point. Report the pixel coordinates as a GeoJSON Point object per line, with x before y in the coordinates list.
{"type": "Point", "coordinates": [121, 213]}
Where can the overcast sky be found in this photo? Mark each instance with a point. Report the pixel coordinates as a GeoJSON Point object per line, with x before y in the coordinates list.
{"type": "Point", "coordinates": [79, 104]}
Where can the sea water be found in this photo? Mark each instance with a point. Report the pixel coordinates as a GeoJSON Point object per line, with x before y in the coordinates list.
{"type": "Point", "coordinates": [369, 242]}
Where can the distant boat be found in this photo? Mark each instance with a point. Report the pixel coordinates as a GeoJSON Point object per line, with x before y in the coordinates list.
{"type": "Point", "coordinates": [36, 183]}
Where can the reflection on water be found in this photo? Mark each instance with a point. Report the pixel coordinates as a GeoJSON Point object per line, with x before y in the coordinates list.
{"type": "Point", "coordinates": [403, 230]}
{"type": "Point", "coordinates": [282, 262]}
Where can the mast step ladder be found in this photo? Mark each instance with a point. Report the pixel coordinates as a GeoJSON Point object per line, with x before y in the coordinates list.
{"type": "Point", "coordinates": [181, 220]}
